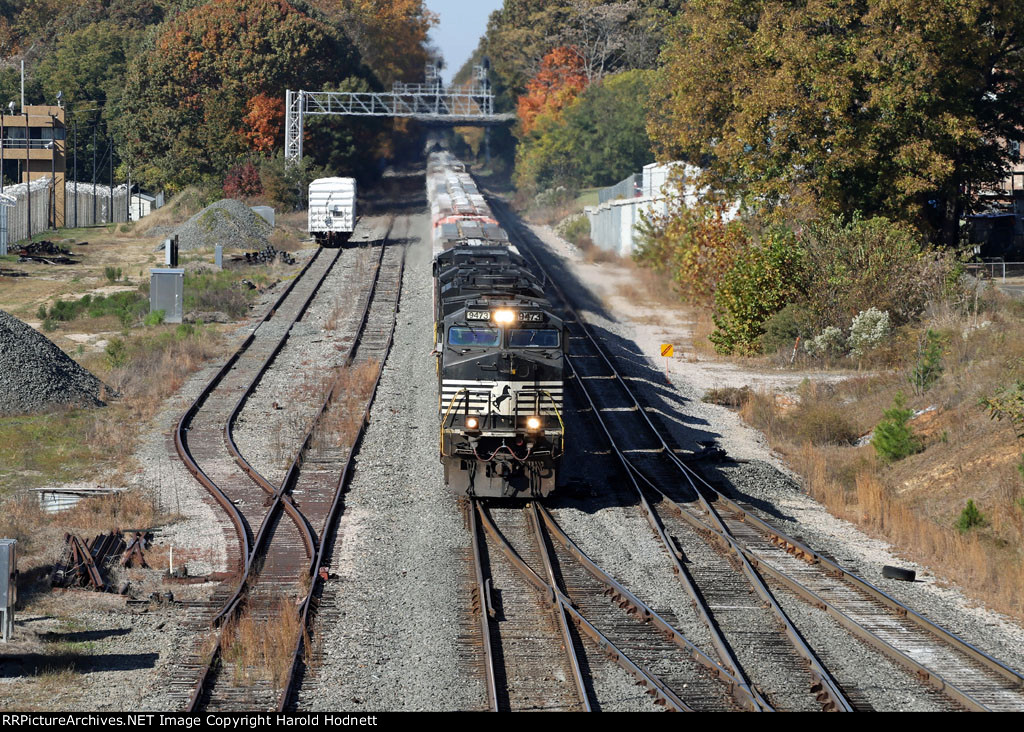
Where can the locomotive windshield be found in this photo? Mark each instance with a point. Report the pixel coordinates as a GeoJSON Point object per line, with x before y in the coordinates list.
{"type": "Point", "coordinates": [531, 338]}
{"type": "Point", "coordinates": [474, 337]}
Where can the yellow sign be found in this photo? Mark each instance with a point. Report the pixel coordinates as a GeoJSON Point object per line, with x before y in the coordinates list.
{"type": "Point", "coordinates": [667, 350]}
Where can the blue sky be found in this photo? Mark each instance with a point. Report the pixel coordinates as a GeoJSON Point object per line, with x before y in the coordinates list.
{"type": "Point", "coordinates": [462, 24]}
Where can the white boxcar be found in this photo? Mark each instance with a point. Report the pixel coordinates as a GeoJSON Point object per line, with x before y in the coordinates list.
{"type": "Point", "coordinates": [332, 210]}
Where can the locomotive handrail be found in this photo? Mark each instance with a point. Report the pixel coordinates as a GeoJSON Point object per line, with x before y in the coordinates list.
{"type": "Point", "coordinates": [445, 419]}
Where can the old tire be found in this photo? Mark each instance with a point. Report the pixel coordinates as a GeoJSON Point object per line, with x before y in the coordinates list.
{"type": "Point", "coordinates": [896, 573]}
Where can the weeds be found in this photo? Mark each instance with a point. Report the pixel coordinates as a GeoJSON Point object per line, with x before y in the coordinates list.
{"type": "Point", "coordinates": [260, 648]}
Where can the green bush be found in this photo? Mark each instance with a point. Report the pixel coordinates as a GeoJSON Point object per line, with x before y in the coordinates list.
{"type": "Point", "coordinates": [577, 229]}
{"type": "Point", "coordinates": [971, 517]}
{"type": "Point", "coordinates": [761, 282]}
{"type": "Point", "coordinates": [894, 438]}
{"type": "Point", "coordinates": [155, 318]}
{"type": "Point", "coordinates": [117, 353]}
{"type": "Point", "coordinates": [929, 363]}
{"type": "Point", "coordinates": [112, 274]}
{"type": "Point", "coordinates": [852, 266]}
{"type": "Point", "coordinates": [782, 329]}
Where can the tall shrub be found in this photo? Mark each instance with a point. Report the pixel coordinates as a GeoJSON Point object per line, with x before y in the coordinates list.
{"type": "Point", "coordinates": [761, 282]}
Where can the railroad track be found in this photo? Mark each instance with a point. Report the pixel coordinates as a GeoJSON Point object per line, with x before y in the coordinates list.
{"type": "Point", "coordinates": [277, 562]}
{"type": "Point", "coordinates": [684, 509]}
{"type": "Point", "coordinates": [551, 620]}
{"type": "Point", "coordinates": [319, 490]}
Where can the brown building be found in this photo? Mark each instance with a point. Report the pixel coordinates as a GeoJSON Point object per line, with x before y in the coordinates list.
{"type": "Point", "coordinates": [34, 146]}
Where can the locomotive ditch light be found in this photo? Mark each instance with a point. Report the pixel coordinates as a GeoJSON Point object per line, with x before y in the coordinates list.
{"type": "Point", "coordinates": [533, 423]}
{"type": "Point", "coordinates": [472, 423]}
{"type": "Point", "coordinates": [504, 316]}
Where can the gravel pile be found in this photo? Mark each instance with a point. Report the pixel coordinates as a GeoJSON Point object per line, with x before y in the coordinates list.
{"type": "Point", "coordinates": [36, 376]}
{"type": "Point", "coordinates": [227, 222]}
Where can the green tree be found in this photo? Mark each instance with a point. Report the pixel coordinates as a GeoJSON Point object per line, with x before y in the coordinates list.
{"type": "Point", "coordinates": [186, 95]}
{"type": "Point", "coordinates": [599, 139]}
{"type": "Point", "coordinates": [88, 66]}
{"type": "Point", "coordinates": [893, 107]}
{"type": "Point", "coordinates": [894, 438]}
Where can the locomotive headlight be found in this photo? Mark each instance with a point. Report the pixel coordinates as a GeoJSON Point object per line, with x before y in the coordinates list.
{"type": "Point", "coordinates": [472, 423]}
{"type": "Point", "coordinates": [533, 423]}
{"type": "Point", "coordinates": [504, 316]}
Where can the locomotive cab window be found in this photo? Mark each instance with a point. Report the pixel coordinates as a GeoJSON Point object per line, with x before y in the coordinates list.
{"type": "Point", "coordinates": [474, 337]}
{"type": "Point", "coordinates": [533, 338]}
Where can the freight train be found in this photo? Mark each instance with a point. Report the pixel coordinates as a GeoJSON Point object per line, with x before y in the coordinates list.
{"type": "Point", "coordinates": [500, 349]}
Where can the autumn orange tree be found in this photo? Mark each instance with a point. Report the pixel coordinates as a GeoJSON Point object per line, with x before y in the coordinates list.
{"type": "Point", "coordinates": [211, 87]}
{"type": "Point", "coordinates": [560, 80]}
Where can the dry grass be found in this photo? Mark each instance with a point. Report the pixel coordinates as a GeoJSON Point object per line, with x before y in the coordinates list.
{"type": "Point", "coordinates": [261, 648]}
{"type": "Point", "coordinates": [914, 503]}
{"type": "Point", "coordinates": [353, 387]}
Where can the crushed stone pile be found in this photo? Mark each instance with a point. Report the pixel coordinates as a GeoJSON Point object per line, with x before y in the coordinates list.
{"type": "Point", "coordinates": [227, 222]}
{"type": "Point", "coordinates": [36, 376]}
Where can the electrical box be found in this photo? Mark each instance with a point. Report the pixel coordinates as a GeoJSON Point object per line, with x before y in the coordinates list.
{"type": "Point", "coordinates": [167, 293]}
{"type": "Point", "coordinates": [8, 586]}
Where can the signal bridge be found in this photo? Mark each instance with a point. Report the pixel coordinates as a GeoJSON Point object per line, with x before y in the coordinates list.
{"type": "Point", "coordinates": [432, 103]}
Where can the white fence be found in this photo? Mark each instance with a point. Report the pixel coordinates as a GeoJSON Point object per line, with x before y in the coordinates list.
{"type": "Point", "coordinates": [88, 205]}
{"type": "Point", "coordinates": [613, 223]}
{"type": "Point", "coordinates": [996, 269]}
{"type": "Point", "coordinates": [14, 220]}
{"type": "Point", "coordinates": [84, 205]}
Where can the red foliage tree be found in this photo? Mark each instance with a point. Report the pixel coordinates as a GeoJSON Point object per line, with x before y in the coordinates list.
{"type": "Point", "coordinates": [243, 181]}
{"type": "Point", "coordinates": [560, 80]}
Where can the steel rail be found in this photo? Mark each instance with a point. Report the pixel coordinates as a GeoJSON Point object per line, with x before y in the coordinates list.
{"type": "Point", "coordinates": [343, 479]}
{"type": "Point", "coordinates": [560, 613]}
{"type": "Point", "coordinates": [242, 527]}
{"type": "Point", "coordinates": [644, 677]}
{"type": "Point", "coordinates": [799, 549]}
{"type": "Point", "coordinates": [482, 605]}
{"type": "Point", "coordinates": [180, 443]}
{"type": "Point", "coordinates": [678, 568]}
{"type": "Point", "coordinates": [744, 695]}
{"type": "Point", "coordinates": [825, 688]}
{"type": "Point", "coordinates": [254, 475]}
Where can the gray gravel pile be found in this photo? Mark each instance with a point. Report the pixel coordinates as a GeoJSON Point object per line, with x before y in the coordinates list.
{"type": "Point", "coordinates": [36, 376]}
{"type": "Point", "coordinates": [227, 222]}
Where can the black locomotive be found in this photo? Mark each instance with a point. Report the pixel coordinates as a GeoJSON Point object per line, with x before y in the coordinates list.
{"type": "Point", "coordinates": [500, 356]}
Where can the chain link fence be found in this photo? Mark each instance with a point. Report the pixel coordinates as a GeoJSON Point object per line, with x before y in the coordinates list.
{"type": "Point", "coordinates": [996, 269]}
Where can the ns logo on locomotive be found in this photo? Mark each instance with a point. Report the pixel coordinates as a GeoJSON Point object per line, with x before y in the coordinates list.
{"type": "Point", "coordinates": [499, 347]}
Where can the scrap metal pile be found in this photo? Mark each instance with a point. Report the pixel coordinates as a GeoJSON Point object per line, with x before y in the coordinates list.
{"type": "Point", "coordinates": [87, 563]}
{"type": "Point", "coordinates": [44, 251]}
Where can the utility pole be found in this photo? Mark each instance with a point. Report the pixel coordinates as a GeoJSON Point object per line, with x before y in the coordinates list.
{"type": "Point", "coordinates": [53, 170]}
{"type": "Point", "coordinates": [94, 172]}
{"type": "Point", "coordinates": [110, 154]}
{"type": "Point", "coordinates": [28, 151]}
{"type": "Point", "coordinates": [76, 173]}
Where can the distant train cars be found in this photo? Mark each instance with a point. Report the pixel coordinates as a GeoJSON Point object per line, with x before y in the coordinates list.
{"type": "Point", "coordinates": [332, 210]}
{"type": "Point", "coordinates": [499, 347]}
